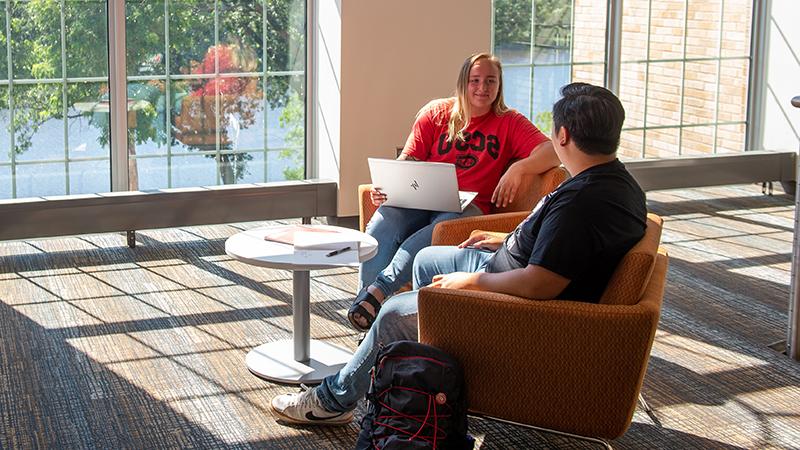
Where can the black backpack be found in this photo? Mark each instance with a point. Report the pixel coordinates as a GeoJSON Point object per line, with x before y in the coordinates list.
{"type": "Point", "coordinates": [417, 400]}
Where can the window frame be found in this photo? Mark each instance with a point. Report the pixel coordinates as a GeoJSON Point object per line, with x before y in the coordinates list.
{"type": "Point", "coordinates": [118, 77]}
{"type": "Point", "coordinates": [753, 118]}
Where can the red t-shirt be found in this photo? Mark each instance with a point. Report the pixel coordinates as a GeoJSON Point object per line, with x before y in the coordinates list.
{"type": "Point", "coordinates": [491, 142]}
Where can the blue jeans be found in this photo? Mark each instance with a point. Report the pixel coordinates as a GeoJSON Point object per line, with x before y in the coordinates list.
{"type": "Point", "coordinates": [401, 233]}
{"type": "Point", "coordinates": [396, 321]}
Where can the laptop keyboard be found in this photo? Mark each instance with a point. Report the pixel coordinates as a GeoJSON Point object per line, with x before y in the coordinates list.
{"type": "Point", "coordinates": [461, 201]}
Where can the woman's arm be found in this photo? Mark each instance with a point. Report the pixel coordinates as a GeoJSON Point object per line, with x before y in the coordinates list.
{"type": "Point", "coordinates": [406, 153]}
{"type": "Point", "coordinates": [542, 158]}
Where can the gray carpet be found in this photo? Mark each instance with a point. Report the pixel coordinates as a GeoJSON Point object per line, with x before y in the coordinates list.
{"type": "Point", "coordinates": [102, 346]}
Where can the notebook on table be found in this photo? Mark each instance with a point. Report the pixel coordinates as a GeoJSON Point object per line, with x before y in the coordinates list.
{"type": "Point", "coordinates": [287, 234]}
{"type": "Point", "coordinates": [424, 185]}
{"type": "Point", "coordinates": [316, 245]}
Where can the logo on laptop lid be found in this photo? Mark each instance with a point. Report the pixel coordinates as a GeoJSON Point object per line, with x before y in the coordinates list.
{"type": "Point", "coordinates": [415, 185]}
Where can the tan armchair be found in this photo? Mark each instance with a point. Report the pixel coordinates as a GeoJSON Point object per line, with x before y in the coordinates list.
{"type": "Point", "coordinates": [561, 365]}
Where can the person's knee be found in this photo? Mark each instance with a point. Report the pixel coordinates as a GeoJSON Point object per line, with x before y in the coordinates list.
{"type": "Point", "coordinates": [423, 265]}
{"type": "Point", "coordinates": [387, 222]}
{"type": "Point", "coordinates": [386, 215]}
{"type": "Point", "coordinates": [386, 322]}
{"type": "Point", "coordinates": [393, 323]}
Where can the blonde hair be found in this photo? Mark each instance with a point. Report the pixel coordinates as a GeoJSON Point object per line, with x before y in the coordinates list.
{"type": "Point", "coordinates": [461, 114]}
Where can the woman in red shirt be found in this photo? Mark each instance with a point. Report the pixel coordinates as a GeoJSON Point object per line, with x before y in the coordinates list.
{"type": "Point", "coordinates": [477, 132]}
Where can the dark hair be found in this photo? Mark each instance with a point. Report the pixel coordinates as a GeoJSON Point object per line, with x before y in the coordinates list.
{"type": "Point", "coordinates": [592, 115]}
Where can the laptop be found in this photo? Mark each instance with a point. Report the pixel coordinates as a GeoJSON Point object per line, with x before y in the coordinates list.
{"type": "Point", "coordinates": [419, 184]}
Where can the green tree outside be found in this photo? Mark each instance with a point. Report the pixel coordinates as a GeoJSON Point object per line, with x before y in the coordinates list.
{"type": "Point", "coordinates": [36, 54]}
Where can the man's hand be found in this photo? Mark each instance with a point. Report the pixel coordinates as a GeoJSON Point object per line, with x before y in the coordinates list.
{"type": "Point", "coordinates": [484, 240]}
{"type": "Point", "coordinates": [377, 197]}
{"type": "Point", "coordinates": [456, 280]}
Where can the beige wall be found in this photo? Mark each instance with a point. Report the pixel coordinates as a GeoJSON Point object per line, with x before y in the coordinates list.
{"type": "Point", "coordinates": [395, 57]}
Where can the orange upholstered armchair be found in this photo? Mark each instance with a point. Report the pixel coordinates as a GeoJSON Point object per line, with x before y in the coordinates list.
{"type": "Point", "coordinates": [561, 365]}
{"type": "Point", "coordinates": [529, 193]}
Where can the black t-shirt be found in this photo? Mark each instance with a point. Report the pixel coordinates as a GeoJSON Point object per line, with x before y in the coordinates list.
{"type": "Point", "coordinates": [580, 231]}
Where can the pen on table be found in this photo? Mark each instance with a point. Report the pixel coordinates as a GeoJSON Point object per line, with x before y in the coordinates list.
{"type": "Point", "coordinates": [336, 252]}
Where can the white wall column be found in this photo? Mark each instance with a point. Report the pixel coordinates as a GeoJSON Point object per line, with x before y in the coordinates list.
{"type": "Point", "coordinates": [378, 64]}
{"type": "Point", "coordinates": [327, 58]}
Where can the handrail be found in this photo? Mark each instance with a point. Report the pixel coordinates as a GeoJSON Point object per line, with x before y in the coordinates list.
{"type": "Point", "coordinates": [166, 208]}
{"type": "Point", "coordinates": [793, 333]}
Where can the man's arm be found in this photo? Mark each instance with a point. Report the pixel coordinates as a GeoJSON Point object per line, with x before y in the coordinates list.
{"type": "Point", "coordinates": [542, 158]}
{"type": "Point", "coordinates": [534, 282]}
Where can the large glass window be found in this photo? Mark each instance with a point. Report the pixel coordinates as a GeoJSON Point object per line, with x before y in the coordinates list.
{"type": "Point", "coordinates": [541, 50]}
{"type": "Point", "coordinates": [216, 94]}
{"type": "Point", "coordinates": [683, 72]}
{"type": "Point", "coordinates": [54, 57]}
{"type": "Point", "coordinates": [684, 76]}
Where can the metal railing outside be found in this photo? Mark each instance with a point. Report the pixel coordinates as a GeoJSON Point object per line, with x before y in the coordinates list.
{"type": "Point", "coordinates": [793, 333]}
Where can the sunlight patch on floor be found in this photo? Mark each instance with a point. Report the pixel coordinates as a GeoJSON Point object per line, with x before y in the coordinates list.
{"type": "Point", "coordinates": [701, 357]}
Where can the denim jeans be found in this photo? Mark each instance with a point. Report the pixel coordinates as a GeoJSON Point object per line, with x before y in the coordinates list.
{"type": "Point", "coordinates": [433, 261]}
{"type": "Point", "coordinates": [397, 320]}
{"type": "Point", "coordinates": [401, 233]}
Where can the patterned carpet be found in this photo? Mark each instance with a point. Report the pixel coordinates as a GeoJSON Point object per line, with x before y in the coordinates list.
{"type": "Point", "coordinates": [102, 346]}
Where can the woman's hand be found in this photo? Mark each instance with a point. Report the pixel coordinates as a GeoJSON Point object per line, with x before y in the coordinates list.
{"type": "Point", "coordinates": [484, 240]}
{"type": "Point", "coordinates": [509, 184]}
{"type": "Point", "coordinates": [378, 198]}
{"type": "Point", "coordinates": [456, 280]}
{"type": "Point", "coordinates": [541, 159]}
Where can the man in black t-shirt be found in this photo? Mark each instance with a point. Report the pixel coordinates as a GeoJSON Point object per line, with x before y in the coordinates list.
{"type": "Point", "coordinates": [573, 240]}
{"type": "Point", "coordinates": [567, 248]}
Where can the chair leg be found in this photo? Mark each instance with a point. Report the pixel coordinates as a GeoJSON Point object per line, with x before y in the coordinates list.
{"type": "Point", "coordinates": [648, 410]}
{"type": "Point", "coordinates": [598, 441]}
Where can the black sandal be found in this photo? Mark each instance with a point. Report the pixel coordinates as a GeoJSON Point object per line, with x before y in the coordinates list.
{"type": "Point", "coordinates": [356, 308]}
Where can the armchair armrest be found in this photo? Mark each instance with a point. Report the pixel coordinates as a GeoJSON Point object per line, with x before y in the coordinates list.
{"type": "Point", "coordinates": [533, 188]}
{"type": "Point", "coordinates": [454, 232]}
{"type": "Point", "coordinates": [365, 207]}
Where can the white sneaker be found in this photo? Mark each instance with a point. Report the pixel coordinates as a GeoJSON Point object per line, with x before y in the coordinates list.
{"type": "Point", "coordinates": [305, 408]}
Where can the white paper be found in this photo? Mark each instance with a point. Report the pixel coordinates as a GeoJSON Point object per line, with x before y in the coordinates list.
{"type": "Point", "coordinates": [309, 240]}
{"type": "Point", "coordinates": [325, 248]}
{"type": "Point", "coordinates": [319, 257]}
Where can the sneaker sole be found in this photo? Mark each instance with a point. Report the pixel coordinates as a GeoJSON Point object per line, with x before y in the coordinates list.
{"type": "Point", "coordinates": [339, 420]}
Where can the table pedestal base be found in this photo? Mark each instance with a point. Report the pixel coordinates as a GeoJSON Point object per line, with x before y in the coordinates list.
{"type": "Point", "coordinates": [275, 362]}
